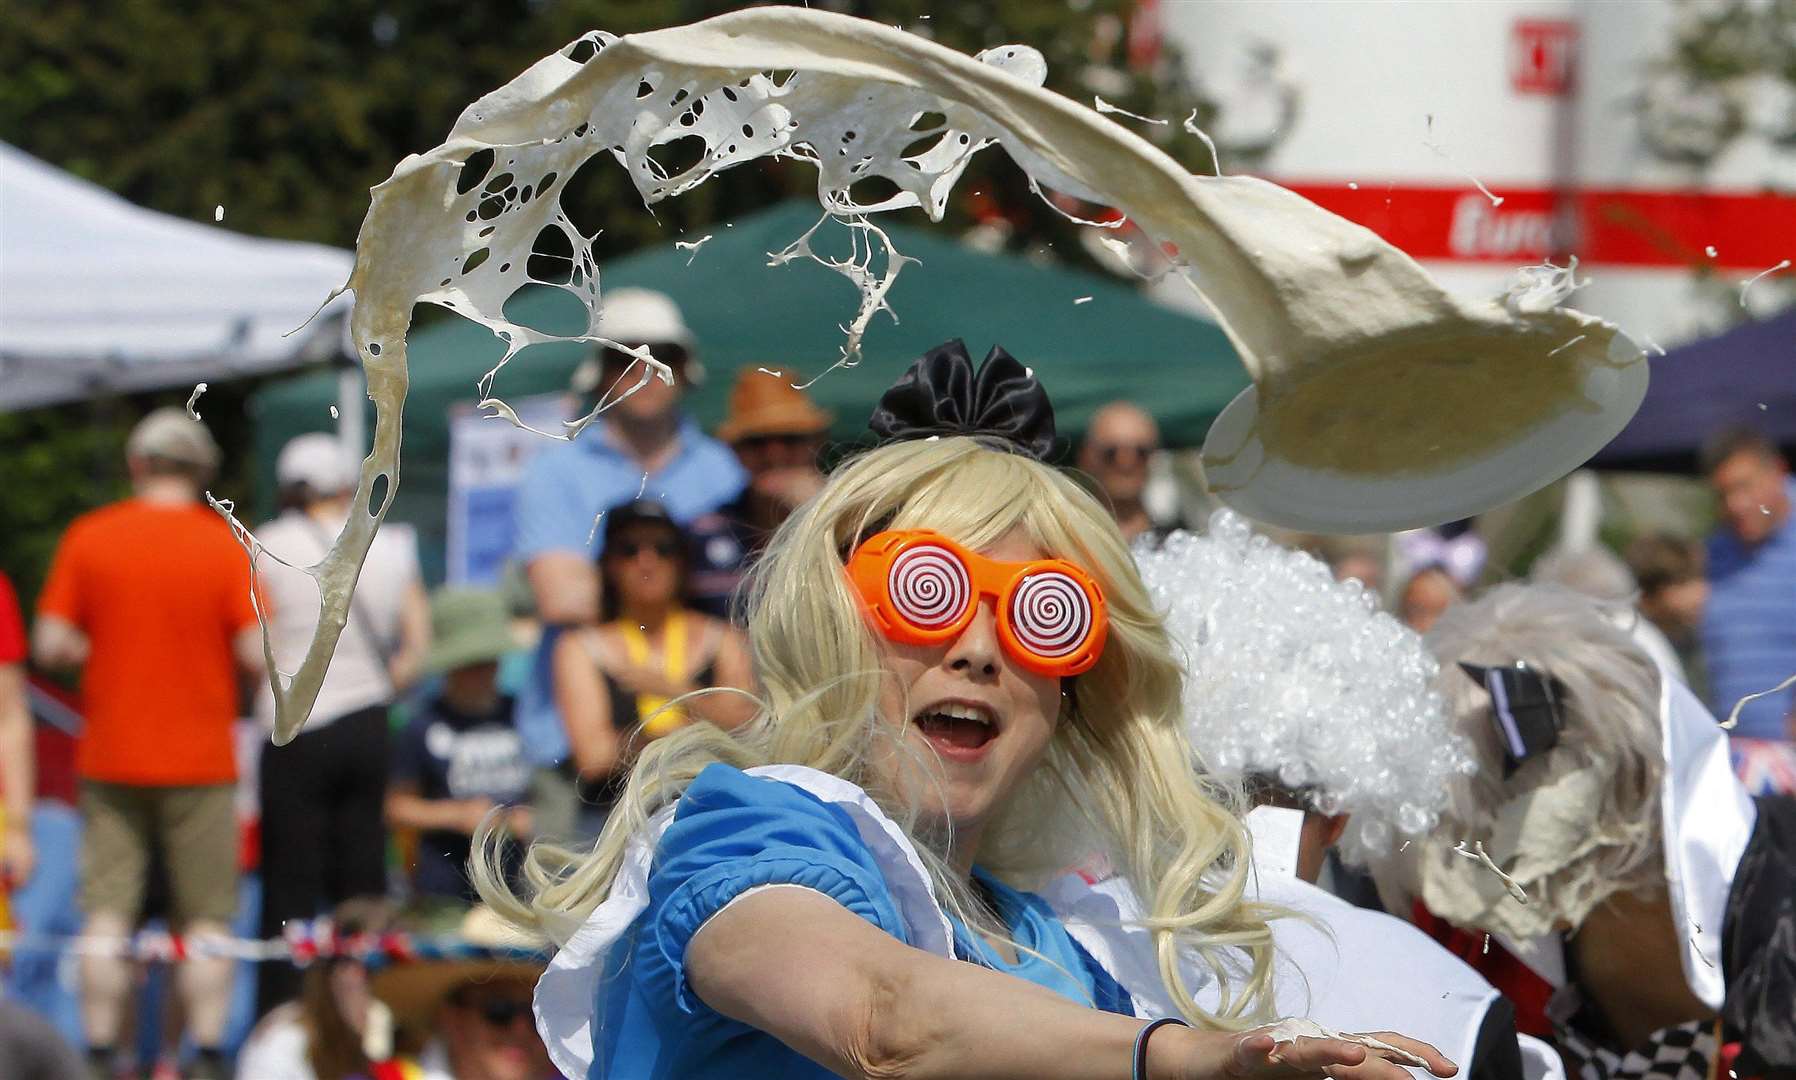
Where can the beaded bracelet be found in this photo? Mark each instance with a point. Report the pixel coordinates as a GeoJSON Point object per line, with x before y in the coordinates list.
{"type": "Point", "coordinates": [1140, 1064]}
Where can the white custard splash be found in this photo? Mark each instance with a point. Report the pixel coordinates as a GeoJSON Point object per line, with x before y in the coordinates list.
{"type": "Point", "coordinates": [1299, 291]}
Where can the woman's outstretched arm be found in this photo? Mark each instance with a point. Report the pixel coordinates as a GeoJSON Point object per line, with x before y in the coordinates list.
{"type": "Point", "coordinates": [834, 987]}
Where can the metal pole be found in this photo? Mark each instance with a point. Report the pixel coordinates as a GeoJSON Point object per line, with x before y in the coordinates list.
{"type": "Point", "coordinates": [352, 400]}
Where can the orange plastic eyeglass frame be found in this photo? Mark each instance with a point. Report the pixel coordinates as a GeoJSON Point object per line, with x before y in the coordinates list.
{"type": "Point", "coordinates": [870, 569]}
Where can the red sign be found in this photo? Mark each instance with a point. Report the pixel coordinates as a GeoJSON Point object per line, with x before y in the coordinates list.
{"type": "Point", "coordinates": [1543, 55]}
{"type": "Point", "coordinates": [1617, 227]}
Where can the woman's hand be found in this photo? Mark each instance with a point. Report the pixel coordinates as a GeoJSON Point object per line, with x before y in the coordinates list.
{"type": "Point", "coordinates": [639, 679]}
{"type": "Point", "coordinates": [1194, 1055]}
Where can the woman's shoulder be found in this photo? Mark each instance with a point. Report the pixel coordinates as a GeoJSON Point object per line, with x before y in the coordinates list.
{"type": "Point", "coordinates": [594, 642]}
{"type": "Point", "coordinates": [276, 1047]}
{"type": "Point", "coordinates": [794, 806]}
{"type": "Point", "coordinates": [780, 789]}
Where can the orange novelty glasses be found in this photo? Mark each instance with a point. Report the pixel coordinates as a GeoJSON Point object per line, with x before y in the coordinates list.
{"type": "Point", "coordinates": [922, 588]}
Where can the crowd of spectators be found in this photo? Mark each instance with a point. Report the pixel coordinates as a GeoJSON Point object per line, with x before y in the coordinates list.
{"type": "Point", "coordinates": [1718, 612]}
{"type": "Point", "coordinates": [634, 541]}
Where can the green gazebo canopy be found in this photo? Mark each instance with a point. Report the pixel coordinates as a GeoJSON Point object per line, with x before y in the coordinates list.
{"type": "Point", "coordinates": [1115, 344]}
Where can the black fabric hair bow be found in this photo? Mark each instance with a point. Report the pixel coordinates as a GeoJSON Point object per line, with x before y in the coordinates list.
{"type": "Point", "coordinates": [942, 394]}
{"type": "Point", "coordinates": [1526, 709]}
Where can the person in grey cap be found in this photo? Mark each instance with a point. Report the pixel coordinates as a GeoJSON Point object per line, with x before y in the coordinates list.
{"type": "Point", "coordinates": [643, 446]}
{"type": "Point", "coordinates": [322, 838]}
{"type": "Point", "coordinates": [150, 598]}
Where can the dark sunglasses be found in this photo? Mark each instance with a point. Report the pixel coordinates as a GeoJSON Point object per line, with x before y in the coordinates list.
{"type": "Point", "coordinates": [761, 442]}
{"type": "Point", "coordinates": [629, 549]}
{"type": "Point", "coordinates": [672, 355]}
{"type": "Point", "coordinates": [501, 1012]}
{"type": "Point", "coordinates": [1111, 452]}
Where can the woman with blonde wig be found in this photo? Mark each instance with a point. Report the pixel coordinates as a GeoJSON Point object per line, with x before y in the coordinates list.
{"type": "Point", "coordinates": [965, 691]}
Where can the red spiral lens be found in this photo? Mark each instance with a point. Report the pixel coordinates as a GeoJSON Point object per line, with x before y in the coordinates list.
{"type": "Point", "coordinates": [929, 586]}
{"type": "Point", "coordinates": [1050, 613]}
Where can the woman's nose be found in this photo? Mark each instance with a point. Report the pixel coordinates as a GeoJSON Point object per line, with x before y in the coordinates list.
{"type": "Point", "coordinates": [976, 650]}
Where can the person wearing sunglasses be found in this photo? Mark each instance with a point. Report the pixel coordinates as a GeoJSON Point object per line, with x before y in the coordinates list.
{"type": "Point", "coordinates": [1119, 443]}
{"type": "Point", "coordinates": [965, 690]}
{"type": "Point", "coordinates": [776, 432]}
{"type": "Point", "coordinates": [468, 1003]}
{"type": "Point", "coordinates": [642, 442]}
{"type": "Point", "coordinates": [616, 681]}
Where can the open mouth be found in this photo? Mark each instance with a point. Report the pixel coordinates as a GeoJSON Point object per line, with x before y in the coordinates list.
{"type": "Point", "coordinates": [957, 729]}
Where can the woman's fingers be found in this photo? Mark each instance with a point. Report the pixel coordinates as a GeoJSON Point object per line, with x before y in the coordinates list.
{"type": "Point", "coordinates": [1438, 1064]}
{"type": "Point", "coordinates": [1257, 1055]}
{"type": "Point", "coordinates": [1261, 1055]}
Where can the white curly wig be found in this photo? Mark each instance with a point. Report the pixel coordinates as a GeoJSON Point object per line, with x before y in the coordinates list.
{"type": "Point", "coordinates": [1296, 678]}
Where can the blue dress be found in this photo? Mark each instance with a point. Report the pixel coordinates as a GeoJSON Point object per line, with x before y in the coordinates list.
{"type": "Point", "coordinates": [730, 833]}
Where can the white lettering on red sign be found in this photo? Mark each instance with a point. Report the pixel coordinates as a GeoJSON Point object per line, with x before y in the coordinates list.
{"type": "Point", "coordinates": [1480, 230]}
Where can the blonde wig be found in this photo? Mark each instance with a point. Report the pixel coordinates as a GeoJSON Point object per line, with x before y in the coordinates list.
{"type": "Point", "coordinates": [1116, 780]}
{"type": "Point", "coordinates": [1577, 823]}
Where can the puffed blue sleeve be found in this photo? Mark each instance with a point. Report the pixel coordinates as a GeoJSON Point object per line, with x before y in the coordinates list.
{"type": "Point", "coordinates": [731, 833]}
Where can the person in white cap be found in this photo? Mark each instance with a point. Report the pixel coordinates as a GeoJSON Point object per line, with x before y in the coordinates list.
{"type": "Point", "coordinates": [150, 597]}
{"type": "Point", "coordinates": [322, 794]}
{"type": "Point", "coordinates": [642, 447]}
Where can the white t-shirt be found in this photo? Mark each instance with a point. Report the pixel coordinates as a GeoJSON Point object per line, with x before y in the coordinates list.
{"type": "Point", "coordinates": [278, 1047]}
{"type": "Point", "coordinates": [357, 677]}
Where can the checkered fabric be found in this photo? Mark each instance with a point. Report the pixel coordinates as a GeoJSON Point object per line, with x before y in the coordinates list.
{"type": "Point", "coordinates": [1682, 1052]}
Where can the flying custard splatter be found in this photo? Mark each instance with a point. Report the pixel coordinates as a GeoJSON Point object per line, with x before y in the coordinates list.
{"type": "Point", "coordinates": [1746, 287]}
{"type": "Point", "coordinates": [1477, 854]}
{"type": "Point", "coordinates": [1300, 292]}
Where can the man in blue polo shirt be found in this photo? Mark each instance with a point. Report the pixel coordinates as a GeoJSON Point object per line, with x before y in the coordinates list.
{"type": "Point", "coordinates": [642, 444]}
{"type": "Point", "coordinates": [1749, 627]}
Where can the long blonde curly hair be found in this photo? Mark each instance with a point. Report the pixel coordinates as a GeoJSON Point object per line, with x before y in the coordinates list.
{"type": "Point", "coordinates": [1117, 779]}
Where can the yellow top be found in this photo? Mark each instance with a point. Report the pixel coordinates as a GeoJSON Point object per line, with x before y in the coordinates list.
{"type": "Point", "coordinates": [652, 711]}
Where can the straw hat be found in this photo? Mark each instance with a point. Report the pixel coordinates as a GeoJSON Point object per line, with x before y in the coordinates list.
{"type": "Point", "coordinates": [467, 626]}
{"type": "Point", "coordinates": [489, 950]}
{"type": "Point", "coordinates": [763, 404]}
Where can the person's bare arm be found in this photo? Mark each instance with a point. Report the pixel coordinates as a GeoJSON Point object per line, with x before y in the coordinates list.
{"type": "Point", "coordinates": [835, 988]}
{"type": "Point", "coordinates": [414, 637]}
{"type": "Point", "coordinates": [734, 671]}
{"type": "Point", "coordinates": [247, 646]}
{"type": "Point", "coordinates": [565, 585]}
{"type": "Point", "coordinates": [18, 780]}
{"type": "Point", "coordinates": [406, 809]}
{"type": "Point", "coordinates": [585, 709]}
{"type": "Point", "coordinates": [57, 643]}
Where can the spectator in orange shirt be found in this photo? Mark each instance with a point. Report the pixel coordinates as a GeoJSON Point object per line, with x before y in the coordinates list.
{"type": "Point", "coordinates": [150, 597]}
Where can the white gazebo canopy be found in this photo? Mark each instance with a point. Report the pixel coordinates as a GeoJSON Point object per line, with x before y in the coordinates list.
{"type": "Point", "coordinates": [99, 295]}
